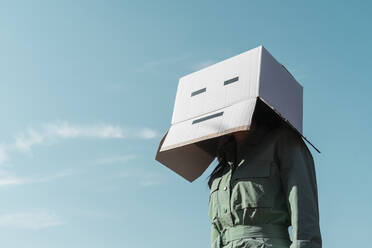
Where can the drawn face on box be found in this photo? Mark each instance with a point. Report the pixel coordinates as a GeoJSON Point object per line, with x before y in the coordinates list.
{"type": "Point", "coordinates": [216, 87]}
{"type": "Point", "coordinates": [220, 100]}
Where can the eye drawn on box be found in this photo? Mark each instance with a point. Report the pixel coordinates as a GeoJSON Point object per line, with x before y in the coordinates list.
{"type": "Point", "coordinates": [221, 99]}
{"type": "Point", "coordinates": [230, 81]}
{"type": "Point", "coordinates": [197, 92]}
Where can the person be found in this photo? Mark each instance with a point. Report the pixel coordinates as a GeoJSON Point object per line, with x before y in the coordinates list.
{"type": "Point", "coordinates": [265, 182]}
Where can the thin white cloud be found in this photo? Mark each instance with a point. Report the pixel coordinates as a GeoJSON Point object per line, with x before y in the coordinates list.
{"type": "Point", "coordinates": [142, 178]}
{"type": "Point", "coordinates": [8, 180]}
{"type": "Point", "coordinates": [148, 133]}
{"type": "Point", "coordinates": [30, 221]}
{"type": "Point", "coordinates": [24, 142]}
{"type": "Point", "coordinates": [149, 183]}
{"type": "Point", "coordinates": [66, 130]}
{"type": "Point", "coordinates": [62, 130]}
{"type": "Point", "coordinates": [50, 132]}
{"type": "Point", "coordinates": [115, 159]}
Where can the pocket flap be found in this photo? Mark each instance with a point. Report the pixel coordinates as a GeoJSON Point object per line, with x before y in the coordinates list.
{"type": "Point", "coordinates": [250, 169]}
{"type": "Point", "coordinates": [215, 184]}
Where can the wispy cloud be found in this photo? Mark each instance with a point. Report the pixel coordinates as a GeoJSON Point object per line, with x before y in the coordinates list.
{"type": "Point", "coordinates": [31, 221]}
{"type": "Point", "coordinates": [149, 182]}
{"type": "Point", "coordinates": [150, 179]}
{"type": "Point", "coordinates": [24, 142]}
{"type": "Point", "coordinates": [66, 130]}
{"type": "Point", "coordinates": [8, 180]}
{"type": "Point", "coordinates": [63, 130]}
{"type": "Point", "coordinates": [143, 178]}
{"type": "Point", "coordinates": [115, 159]}
{"type": "Point", "coordinates": [147, 133]}
{"type": "Point", "coordinates": [50, 133]}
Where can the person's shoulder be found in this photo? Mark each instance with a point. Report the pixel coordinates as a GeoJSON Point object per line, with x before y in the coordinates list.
{"type": "Point", "coordinates": [285, 135]}
{"type": "Point", "coordinates": [288, 138]}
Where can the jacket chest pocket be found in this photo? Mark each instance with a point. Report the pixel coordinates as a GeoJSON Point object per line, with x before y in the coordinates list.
{"type": "Point", "coordinates": [252, 185]}
{"type": "Point", "coordinates": [213, 200]}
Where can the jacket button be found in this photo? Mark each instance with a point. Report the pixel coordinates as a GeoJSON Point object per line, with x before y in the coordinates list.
{"type": "Point", "coordinates": [225, 210]}
{"type": "Point", "coordinates": [225, 188]}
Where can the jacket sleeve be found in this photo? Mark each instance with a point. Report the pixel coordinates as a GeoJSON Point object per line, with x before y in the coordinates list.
{"type": "Point", "coordinates": [300, 188]}
{"type": "Point", "coordinates": [215, 237]}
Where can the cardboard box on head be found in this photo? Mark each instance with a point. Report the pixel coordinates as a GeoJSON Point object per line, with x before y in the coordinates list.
{"type": "Point", "coordinates": [220, 100]}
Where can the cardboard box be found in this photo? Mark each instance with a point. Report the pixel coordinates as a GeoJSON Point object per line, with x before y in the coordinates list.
{"type": "Point", "coordinates": [221, 99]}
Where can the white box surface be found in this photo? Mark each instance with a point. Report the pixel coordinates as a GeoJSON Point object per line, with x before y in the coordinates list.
{"type": "Point", "coordinates": [221, 99]}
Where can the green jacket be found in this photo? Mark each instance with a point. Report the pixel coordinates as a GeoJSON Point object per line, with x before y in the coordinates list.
{"type": "Point", "coordinates": [267, 185]}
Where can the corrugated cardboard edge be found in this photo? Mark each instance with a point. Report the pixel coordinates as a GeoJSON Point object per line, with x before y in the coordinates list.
{"type": "Point", "coordinates": [160, 145]}
{"type": "Point", "coordinates": [190, 174]}
{"type": "Point", "coordinates": [206, 137]}
{"type": "Point", "coordinates": [232, 130]}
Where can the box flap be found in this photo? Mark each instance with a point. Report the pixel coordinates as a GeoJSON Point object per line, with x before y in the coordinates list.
{"type": "Point", "coordinates": [236, 117]}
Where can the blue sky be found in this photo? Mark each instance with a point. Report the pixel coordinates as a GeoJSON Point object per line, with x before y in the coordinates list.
{"type": "Point", "coordinates": [87, 89]}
